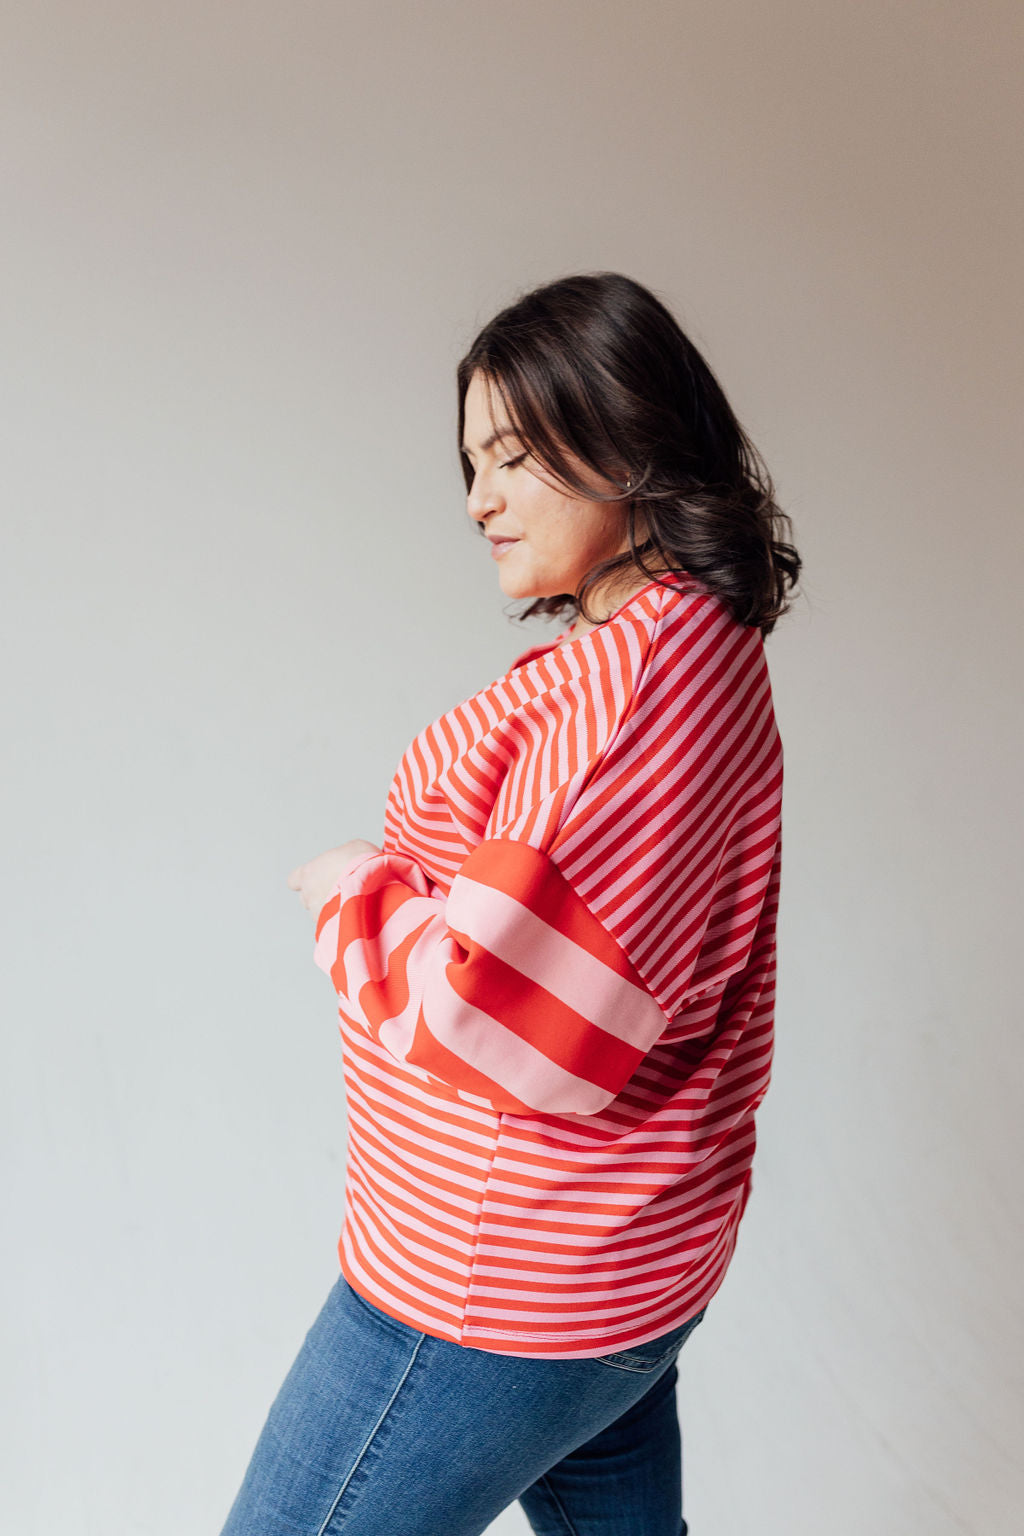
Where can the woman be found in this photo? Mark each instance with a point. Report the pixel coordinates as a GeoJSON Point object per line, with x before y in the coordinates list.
{"type": "Point", "coordinates": [555, 980]}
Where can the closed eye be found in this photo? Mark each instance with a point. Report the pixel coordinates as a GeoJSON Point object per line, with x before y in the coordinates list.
{"type": "Point", "coordinates": [511, 463]}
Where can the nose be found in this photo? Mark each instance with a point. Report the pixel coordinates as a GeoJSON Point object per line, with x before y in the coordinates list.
{"type": "Point", "coordinates": [483, 497]}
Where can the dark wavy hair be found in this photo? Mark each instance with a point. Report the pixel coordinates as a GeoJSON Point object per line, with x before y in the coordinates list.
{"type": "Point", "coordinates": [597, 364]}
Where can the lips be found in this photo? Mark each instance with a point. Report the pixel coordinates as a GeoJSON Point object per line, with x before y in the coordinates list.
{"type": "Point", "coordinates": [499, 546]}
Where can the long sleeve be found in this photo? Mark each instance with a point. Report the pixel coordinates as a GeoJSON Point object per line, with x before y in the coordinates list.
{"type": "Point", "coordinates": [509, 989]}
{"type": "Point", "coordinates": [577, 928]}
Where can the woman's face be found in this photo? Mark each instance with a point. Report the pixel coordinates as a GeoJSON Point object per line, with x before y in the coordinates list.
{"type": "Point", "coordinates": [557, 537]}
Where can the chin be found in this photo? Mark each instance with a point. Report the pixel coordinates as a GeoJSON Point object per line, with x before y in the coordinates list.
{"type": "Point", "coordinates": [523, 583]}
{"type": "Point", "coordinates": [516, 583]}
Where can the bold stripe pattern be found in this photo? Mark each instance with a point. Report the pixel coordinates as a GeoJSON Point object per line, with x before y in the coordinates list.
{"type": "Point", "coordinates": [556, 989]}
{"type": "Point", "coordinates": [509, 988]}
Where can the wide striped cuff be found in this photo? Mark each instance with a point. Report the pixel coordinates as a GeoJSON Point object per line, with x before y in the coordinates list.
{"type": "Point", "coordinates": [511, 989]}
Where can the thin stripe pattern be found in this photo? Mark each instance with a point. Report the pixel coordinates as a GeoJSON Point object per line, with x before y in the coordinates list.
{"type": "Point", "coordinates": [556, 989]}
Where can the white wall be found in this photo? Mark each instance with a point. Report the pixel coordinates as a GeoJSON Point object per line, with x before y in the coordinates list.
{"type": "Point", "coordinates": [244, 246]}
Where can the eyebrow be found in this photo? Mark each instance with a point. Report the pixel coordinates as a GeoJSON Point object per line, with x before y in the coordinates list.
{"type": "Point", "coordinates": [495, 437]}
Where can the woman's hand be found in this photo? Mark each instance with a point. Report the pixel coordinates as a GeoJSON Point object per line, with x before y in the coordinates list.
{"type": "Point", "coordinates": [314, 879]}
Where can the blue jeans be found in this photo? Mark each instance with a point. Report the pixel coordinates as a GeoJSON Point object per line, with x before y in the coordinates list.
{"type": "Point", "coordinates": [381, 1430]}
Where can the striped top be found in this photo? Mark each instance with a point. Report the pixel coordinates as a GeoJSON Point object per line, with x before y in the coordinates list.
{"type": "Point", "coordinates": [556, 989]}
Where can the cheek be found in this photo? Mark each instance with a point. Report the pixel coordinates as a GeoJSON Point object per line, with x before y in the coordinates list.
{"type": "Point", "coordinates": [591, 530]}
{"type": "Point", "coordinates": [553, 536]}
{"type": "Point", "coordinates": [561, 529]}
{"type": "Point", "coordinates": [541, 515]}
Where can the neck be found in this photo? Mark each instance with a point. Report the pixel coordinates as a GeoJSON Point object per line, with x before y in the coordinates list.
{"type": "Point", "coordinates": [610, 600]}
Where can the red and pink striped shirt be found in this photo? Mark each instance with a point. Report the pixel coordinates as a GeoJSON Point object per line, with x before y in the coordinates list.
{"type": "Point", "coordinates": [556, 989]}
